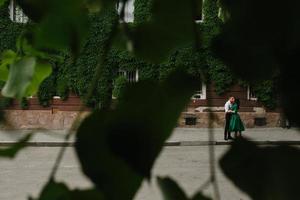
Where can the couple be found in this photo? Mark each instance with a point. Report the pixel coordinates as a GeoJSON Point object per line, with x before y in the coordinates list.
{"type": "Point", "coordinates": [233, 122]}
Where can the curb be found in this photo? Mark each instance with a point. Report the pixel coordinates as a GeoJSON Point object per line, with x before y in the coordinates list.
{"type": "Point", "coordinates": [208, 143]}
{"type": "Point", "coordinates": [40, 144]}
{"type": "Point", "coordinates": [167, 144]}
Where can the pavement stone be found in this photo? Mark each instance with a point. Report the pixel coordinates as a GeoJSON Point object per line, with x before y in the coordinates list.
{"type": "Point", "coordinates": [180, 137]}
{"type": "Point", "coordinates": [255, 134]}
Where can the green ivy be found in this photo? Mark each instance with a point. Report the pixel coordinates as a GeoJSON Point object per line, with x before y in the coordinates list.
{"type": "Point", "coordinates": [85, 67]}
{"type": "Point", "coordinates": [217, 71]}
{"type": "Point", "coordinates": [119, 85]}
{"type": "Point", "coordinates": [265, 92]}
{"type": "Point", "coordinates": [24, 103]}
{"type": "Point", "coordinates": [9, 31]}
{"type": "Point", "coordinates": [187, 59]}
{"type": "Point", "coordinates": [47, 90]}
{"type": "Point", "coordinates": [220, 75]}
{"type": "Point", "coordinates": [4, 101]}
{"type": "Point", "coordinates": [69, 76]}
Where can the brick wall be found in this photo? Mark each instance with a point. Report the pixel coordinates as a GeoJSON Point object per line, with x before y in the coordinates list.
{"type": "Point", "coordinates": [60, 114]}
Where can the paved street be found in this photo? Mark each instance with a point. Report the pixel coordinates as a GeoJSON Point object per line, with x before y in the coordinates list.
{"type": "Point", "coordinates": [189, 165]}
{"type": "Point", "coordinates": [179, 135]}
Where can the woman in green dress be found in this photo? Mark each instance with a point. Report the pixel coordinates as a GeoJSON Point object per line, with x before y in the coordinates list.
{"type": "Point", "coordinates": [236, 125]}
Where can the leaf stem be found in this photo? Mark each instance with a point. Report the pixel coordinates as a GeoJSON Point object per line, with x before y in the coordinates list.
{"type": "Point", "coordinates": [211, 132]}
{"type": "Point", "coordinates": [76, 123]}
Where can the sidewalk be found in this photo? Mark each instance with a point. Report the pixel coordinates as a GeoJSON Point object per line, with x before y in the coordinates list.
{"type": "Point", "coordinates": [180, 137]}
{"type": "Point", "coordinates": [199, 136]}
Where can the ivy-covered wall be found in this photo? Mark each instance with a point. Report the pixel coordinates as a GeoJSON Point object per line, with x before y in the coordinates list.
{"type": "Point", "coordinates": [142, 10]}
{"type": "Point", "coordinates": [75, 77]}
{"type": "Point", "coordinates": [9, 33]}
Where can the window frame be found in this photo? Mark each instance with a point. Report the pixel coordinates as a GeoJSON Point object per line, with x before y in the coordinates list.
{"type": "Point", "coordinates": [128, 12]}
{"type": "Point", "coordinates": [124, 73]}
{"type": "Point", "coordinates": [249, 96]}
{"type": "Point", "coordinates": [202, 94]}
{"type": "Point", "coordinates": [202, 15]}
{"type": "Point", "coordinates": [13, 9]}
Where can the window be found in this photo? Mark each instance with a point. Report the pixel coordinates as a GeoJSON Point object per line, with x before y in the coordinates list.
{"type": "Point", "coordinates": [131, 76]}
{"type": "Point", "coordinates": [16, 14]}
{"type": "Point", "coordinates": [251, 94]}
{"type": "Point", "coordinates": [201, 93]}
{"type": "Point", "coordinates": [129, 9]}
{"type": "Point", "coordinates": [199, 9]}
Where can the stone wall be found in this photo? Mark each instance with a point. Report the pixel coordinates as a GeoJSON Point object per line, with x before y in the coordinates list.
{"type": "Point", "coordinates": [272, 119]}
{"type": "Point", "coordinates": [39, 119]}
{"type": "Point", "coordinates": [57, 120]}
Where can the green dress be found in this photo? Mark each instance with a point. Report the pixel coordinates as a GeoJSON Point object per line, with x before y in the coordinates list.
{"type": "Point", "coordinates": [235, 124]}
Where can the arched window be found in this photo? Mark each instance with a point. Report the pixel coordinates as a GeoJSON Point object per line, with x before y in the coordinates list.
{"type": "Point", "coordinates": [129, 9]}
{"type": "Point", "coordinates": [16, 14]}
{"type": "Point", "coordinates": [131, 76]}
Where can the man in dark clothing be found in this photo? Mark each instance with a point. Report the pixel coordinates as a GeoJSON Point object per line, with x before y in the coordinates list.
{"type": "Point", "coordinates": [228, 111]}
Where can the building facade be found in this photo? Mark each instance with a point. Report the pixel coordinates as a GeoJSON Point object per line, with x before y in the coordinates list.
{"type": "Point", "coordinates": [61, 113]}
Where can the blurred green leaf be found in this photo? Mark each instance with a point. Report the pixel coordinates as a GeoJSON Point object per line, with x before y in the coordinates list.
{"type": "Point", "coordinates": [289, 92]}
{"type": "Point", "coordinates": [98, 5]}
{"type": "Point", "coordinates": [120, 40]}
{"type": "Point", "coordinates": [7, 58]}
{"type": "Point", "coordinates": [117, 148]}
{"type": "Point", "coordinates": [41, 72]}
{"type": "Point", "coordinates": [171, 26]}
{"type": "Point", "coordinates": [263, 172]}
{"type": "Point", "coordinates": [62, 24]}
{"type": "Point", "coordinates": [70, 35]}
{"type": "Point", "coordinates": [35, 9]}
{"type": "Point", "coordinates": [252, 44]}
{"type": "Point", "coordinates": [256, 46]}
{"type": "Point", "coordinates": [54, 191]}
{"type": "Point", "coordinates": [2, 115]}
{"type": "Point", "coordinates": [92, 194]}
{"type": "Point", "coordinates": [25, 76]}
{"type": "Point", "coordinates": [200, 196]}
{"type": "Point", "coordinates": [4, 103]}
{"type": "Point", "coordinates": [2, 2]}
{"type": "Point", "coordinates": [20, 75]}
{"type": "Point", "coordinates": [25, 46]}
{"type": "Point", "coordinates": [60, 191]}
{"type": "Point", "coordinates": [171, 190]}
{"type": "Point", "coordinates": [3, 72]}
{"type": "Point", "coordinates": [12, 151]}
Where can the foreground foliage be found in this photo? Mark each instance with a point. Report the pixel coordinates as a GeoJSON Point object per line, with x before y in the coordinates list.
{"type": "Point", "coordinates": [118, 148]}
